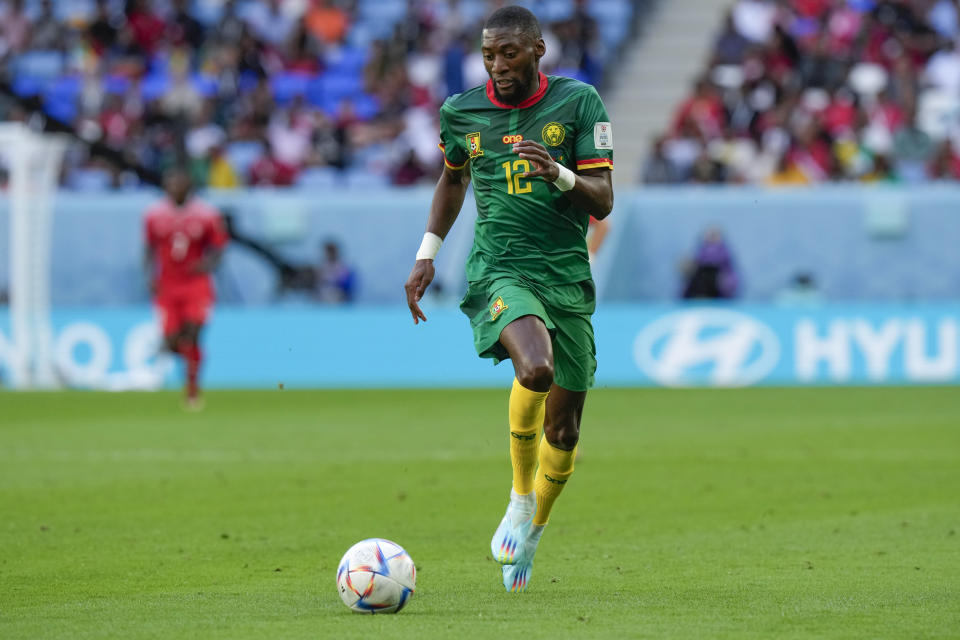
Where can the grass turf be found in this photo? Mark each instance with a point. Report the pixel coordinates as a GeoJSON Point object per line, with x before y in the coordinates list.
{"type": "Point", "coordinates": [725, 514]}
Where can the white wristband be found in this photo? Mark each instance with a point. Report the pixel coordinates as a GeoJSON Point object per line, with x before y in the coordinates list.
{"type": "Point", "coordinates": [429, 247]}
{"type": "Point", "coordinates": [566, 179]}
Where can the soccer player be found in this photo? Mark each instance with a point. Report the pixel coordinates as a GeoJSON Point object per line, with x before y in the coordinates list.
{"type": "Point", "coordinates": [184, 241]}
{"type": "Point", "coordinates": [539, 150]}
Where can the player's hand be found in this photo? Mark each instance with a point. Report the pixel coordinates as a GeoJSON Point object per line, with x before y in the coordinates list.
{"type": "Point", "coordinates": [543, 165]}
{"type": "Point", "coordinates": [420, 278]}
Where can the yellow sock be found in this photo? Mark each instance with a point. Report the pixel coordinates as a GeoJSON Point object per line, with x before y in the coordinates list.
{"type": "Point", "coordinates": [526, 420]}
{"type": "Point", "coordinates": [556, 467]}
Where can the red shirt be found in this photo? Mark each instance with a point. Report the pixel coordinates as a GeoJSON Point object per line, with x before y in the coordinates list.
{"type": "Point", "coordinates": [268, 171]}
{"type": "Point", "coordinates": [148, 29]}
{"type": "Point", "coordinates": [180, 238]}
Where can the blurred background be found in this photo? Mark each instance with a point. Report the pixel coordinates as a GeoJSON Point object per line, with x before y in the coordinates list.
{"type": "Point", "coordinates": [787, 209]}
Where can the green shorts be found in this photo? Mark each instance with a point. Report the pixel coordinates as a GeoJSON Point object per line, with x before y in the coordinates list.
{"type": "Point", "coordinates": [494, 303]}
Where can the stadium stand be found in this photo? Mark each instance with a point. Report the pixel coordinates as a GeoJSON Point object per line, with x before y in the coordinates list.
{"type": "Point", "coordinates": [810, 91]}
{"type": "Point", "coordinates": [279, 93]}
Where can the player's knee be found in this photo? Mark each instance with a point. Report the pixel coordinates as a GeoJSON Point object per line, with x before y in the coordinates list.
{"type": "Point", "coordinates": [563, 436]}
{"type": "Point", "coordinates": [537, 376]}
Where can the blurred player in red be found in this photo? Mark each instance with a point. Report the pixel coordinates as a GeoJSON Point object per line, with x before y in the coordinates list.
{"type": "Point", "coordinates": [184, 241]}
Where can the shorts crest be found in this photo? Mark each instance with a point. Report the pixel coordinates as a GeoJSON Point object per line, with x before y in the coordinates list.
{"type": "Point", "coordinates": [498, 307]}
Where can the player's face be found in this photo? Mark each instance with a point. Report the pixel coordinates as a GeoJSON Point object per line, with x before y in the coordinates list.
{"type": "Point", "coordinates": [177, 186]}
{"type": "Point", "coordinates": [512, 61]}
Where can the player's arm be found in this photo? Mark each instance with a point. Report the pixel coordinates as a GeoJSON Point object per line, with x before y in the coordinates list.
{"type": "Point", "coordinates": [149, 268]}
{"type": "Point", "coordinates": [216, 240]}
{"type": "Point", "coordinates": [447, 202]}
{"type": "Point", "coordinates": [149, 257]}
{"type": "Point", "coordinates": [209, 261]}
{"type": "Point", "coordinates": [592, 188]}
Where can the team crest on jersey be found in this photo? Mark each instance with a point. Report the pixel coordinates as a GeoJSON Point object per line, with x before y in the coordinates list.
{"type": "Point", "coordinates": [498, 307]}
{"type": "Point", "coordinates": [554, 133]}
{"type": "Point", "coordinates": [473, 144]}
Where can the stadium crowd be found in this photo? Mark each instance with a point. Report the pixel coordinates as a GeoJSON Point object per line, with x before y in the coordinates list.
{"type": "Point", "coordinates": [810, 91]}
{"type": "Point", "coordinates": [265, 92]}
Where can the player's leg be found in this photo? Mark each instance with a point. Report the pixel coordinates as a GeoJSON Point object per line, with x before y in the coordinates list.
{"type": "Point", "coordinates": [527, 341]}
{"type": "Point", "coordinates": [196, 313]}
{"type": "Point", "coordinates": [558, 448]}
{"type": "Point", "coordinates": [189, 348]}
{"type": "Point", "coordinates": [574, 367]}
{"type": "Point", "coordinates": [170, 322]}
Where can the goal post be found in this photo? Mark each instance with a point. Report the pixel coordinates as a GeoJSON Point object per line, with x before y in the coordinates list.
{"type": "Point", "coordinates": [33, 162]}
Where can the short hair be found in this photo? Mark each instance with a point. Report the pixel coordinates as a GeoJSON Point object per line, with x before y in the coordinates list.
{"type": "Point", "coordinates": [177, 168]}
{"type": "Point", "coordinates": [514, 17]}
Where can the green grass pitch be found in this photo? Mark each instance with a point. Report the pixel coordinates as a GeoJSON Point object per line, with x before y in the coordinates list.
{"type": "Point", "coordinates": [761, 513]}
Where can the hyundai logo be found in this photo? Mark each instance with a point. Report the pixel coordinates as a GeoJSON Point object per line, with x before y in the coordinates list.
{"type": "Point", "coordinates": [712, 346]}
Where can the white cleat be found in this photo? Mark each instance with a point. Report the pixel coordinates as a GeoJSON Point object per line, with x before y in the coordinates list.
{"type": "Point", "coordinates": [516, 577]}
{"type": "Point", "coordinates": [508, 544]}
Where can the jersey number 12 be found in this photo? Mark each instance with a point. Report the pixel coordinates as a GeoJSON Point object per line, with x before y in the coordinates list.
{"type": "Point", "coordinates": [514, 184]}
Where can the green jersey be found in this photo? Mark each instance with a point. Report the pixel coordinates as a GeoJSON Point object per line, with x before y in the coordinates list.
{"type": "Point", "coordinates": [527, 226]}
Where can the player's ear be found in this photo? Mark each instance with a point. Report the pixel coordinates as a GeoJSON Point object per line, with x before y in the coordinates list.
{"type": "Point", "coordinates": [539, 48]}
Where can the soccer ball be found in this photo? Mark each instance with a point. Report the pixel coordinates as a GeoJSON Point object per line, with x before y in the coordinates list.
{"type": "Point", "coordinates": [376, 576]}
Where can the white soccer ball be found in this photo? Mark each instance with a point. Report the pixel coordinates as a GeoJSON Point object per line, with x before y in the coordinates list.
{"type": "Point", "coordinates": [376, 576]}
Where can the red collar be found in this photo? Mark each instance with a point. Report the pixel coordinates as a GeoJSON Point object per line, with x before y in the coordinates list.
{"type": "Point", "coordinates": [532, 100]}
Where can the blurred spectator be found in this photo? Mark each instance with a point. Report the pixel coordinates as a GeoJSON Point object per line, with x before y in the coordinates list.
{"type": "Point", "coordinates": [753, 19]}
{"type": "Point", "coordinates": [808, 91]}
{"type": "Point", "coordinates": [730, 46]}
{"type": "Point", "coordinates": [102, 30]}
{"type": "Point", "coordinates": [944, 17]}
{"type": "Point", "coordinates": [183, 28]}
{"type": "Point", "coordinates": [335, 279]}
{"type": "Point", "coordinates": [326, 21]}
{"type": "Point", "coordinates": [231, 26]}
{"type": "Point", "coordinates": [802, 290]}
{"type": "Point", "coordinates": [269, 171]}
{"type": "Point", "coordinates": [658, 168]}
{"type": "Point", "coordinates": [410, 171]}
{"type": "Point", "coordinates": [14, 29]}
{"type": "Point", "coordinates": [47, 32]}
{"type": "Point", "coordinates": [880, 170]}
{"type": "Point", "coordinates": [326, 82]}
{"type": "Point", "coordinates": [270, 22]}
{"type": "Point", "coordinates": [942, 70]}
{"type": "Point", "coordinates": [913, 149]}
{"type": "Point", "coordinates": [711, 273]}
{"type": "Point", "coordinates": [703, 110]}
{"type": "Point", "coordinates": [221, 174]}
{"type": "Point", "coordinates": [787, 174]}
{"type": "Point", "coordinates": [146, 27]}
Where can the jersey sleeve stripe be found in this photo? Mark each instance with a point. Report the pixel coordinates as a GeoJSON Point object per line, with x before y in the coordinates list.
{"type": "Point", "coordinates": [594, 163]}
{"type": "Point", "coordinates": [443, 148]}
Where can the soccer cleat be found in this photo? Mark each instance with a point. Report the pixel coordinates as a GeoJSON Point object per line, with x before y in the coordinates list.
{"type": "Point", "coordinates": [192, 400]}
{"type": "Point", "coordinates": [508, 543]}
{"type": "Point", "coordinates": [516, 577]}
